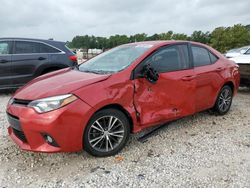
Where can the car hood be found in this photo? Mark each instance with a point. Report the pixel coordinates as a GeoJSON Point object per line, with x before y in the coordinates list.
{"type": "Point", "coordinates": [243, 59]}
{"type": "Point", "coordinates": [57, 83]}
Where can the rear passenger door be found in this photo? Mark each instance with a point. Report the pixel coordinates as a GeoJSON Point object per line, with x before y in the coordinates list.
{"type": "Point", "coordinates": [5, 63]}
{"type": "Point", "coordinates": [26, 59]}
{"type": "Point", "coordinates": [208, 79]}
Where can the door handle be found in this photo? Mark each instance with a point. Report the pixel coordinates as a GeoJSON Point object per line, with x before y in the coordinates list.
{"type": "Point", "coordinates": [4, 61]}
{"type": "Point", "coordinates": [41, 58]}
{"type": "Point", "coordinates": [188, 78]}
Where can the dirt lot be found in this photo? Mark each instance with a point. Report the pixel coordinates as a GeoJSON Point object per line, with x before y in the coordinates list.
{"type": "Point", "coordinates": [199, 151]}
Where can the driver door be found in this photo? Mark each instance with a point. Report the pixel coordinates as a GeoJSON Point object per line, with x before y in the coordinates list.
{"type": "Point", "coordinates": [172, 95]}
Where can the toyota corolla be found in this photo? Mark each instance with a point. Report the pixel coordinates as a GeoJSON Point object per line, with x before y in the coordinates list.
{"type": "Point", "coordinates": [97, 105]}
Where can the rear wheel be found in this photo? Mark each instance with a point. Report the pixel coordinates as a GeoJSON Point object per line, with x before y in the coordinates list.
{"type": "Point", "coordinates": [106, 133]}
{"type": "Point", "coordinates": [224, 100]}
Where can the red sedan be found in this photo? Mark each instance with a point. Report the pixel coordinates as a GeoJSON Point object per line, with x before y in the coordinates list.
{"type": "Point", "coordinates": [126, 89]}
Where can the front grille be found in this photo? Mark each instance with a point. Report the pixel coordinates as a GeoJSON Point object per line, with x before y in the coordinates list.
{"type": "Point", "coordinates": [21, 102]}
{"type": "Point", "coordinates": [16, 127]}
{"type": "Point", "coordinates": [15, 117]}
{"type": "Point", "coordinates": [19, 134]}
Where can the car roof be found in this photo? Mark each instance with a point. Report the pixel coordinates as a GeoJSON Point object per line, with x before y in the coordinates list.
{"type": "Point", "coordinates": [157, 42]}
{"type": "Point", "coordinates": [32, 39]}
{"type": "Point", "coordinates": [239, 48]}
{"type": "Point", "coordinates": [160, 43]}
{"type": "Point", "coordinates": [164, 42]}
{"type": "Point", "coordinates": [244, 47]}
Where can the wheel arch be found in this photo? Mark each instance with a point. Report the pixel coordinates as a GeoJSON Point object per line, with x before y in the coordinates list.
{"type": "Point", "coordinates": [45, 69]}
{"type": "Point", "coordinates": [86, 144]}
{"type": "Point", "coordinates": [50, 69]}
{"type": "Point", "coordinates": [120, 108]}
{"type": "Point", "coordinates": [227, 83]}
{"type": "Point", "coordinates": [215, 108]}
{"type": "Point", "coordinates": [230, 84]}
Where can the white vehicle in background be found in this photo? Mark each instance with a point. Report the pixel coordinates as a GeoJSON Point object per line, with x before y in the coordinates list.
{"type": "Point", "coordinates": [244, 63]}
{"type": "Point", "coordinates": [237, 51]}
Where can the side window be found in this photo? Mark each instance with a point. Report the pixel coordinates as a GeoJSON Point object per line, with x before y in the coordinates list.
{"type": "Point", "coordinates": [201, 56]}
{"type": "Point", "coordinates": [213, 58]}
{"type": "Point", "coordinates": [47, 49]}
{"type": "Point", "coordinates": [5, 47]}
{"type": "Point", "coordinates": [248, 52]}
{"type": "Point", "coordinates": [170, 58]}
{"type": "Point", "coordinates": [25, 47]}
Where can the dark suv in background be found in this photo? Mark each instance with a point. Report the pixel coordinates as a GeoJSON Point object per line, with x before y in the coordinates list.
{"type": "Point", "coordinates": [23, 59]}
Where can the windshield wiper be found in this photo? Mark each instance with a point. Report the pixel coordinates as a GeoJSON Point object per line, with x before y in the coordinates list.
{"type": "Point", "coordinates": [76, 67]}
{"type": "Point", "coordinates": [98, 71]}
{"type": "Point", "coordinates": [89, 71]}
{"type": "Point", "coordinates": [103, 72]}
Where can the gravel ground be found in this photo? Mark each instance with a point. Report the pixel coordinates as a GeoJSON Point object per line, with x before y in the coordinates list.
{"type": "Point", "coordinates": [199, 151]}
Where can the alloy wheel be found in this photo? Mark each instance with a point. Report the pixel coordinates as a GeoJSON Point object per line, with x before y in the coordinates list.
{"type": "Point", "coordinates": [106, 133]}
{"type": "Point", "coordinates": [225, 100]}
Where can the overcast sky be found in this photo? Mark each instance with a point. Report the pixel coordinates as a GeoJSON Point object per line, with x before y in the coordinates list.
{"type": "Point", "coordinates": [64, 19]}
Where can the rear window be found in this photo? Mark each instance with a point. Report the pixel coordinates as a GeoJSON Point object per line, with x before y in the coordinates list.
{"type": "Point", "coordinates": [213, 58]}
{"type": "Point", "coordinates": [26, 47]}
{"type": "Point", "coordinates": [47, 49]}
{"type": "Point", "coordinates": [248, 52]}
{"type": "Point", "coordinates": [201, 56]}
{"type": "Point", "coordinates": [71, 51]}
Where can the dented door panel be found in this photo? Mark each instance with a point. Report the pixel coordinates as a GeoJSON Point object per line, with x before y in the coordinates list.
{"type": "Point", "coordinates": [170, 98]}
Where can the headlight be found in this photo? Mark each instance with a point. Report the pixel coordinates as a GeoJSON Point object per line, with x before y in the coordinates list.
{"type": "Point", "coordinates": [52, 103]}
{"type": "Point", "coordinates": [10, 101]}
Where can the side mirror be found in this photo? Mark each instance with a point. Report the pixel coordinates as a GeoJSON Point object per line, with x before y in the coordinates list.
{"type": "Point", "coordinates": [150, 74]}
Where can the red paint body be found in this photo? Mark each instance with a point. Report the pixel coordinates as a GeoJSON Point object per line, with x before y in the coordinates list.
{"type": "Point", "coordinates": [173, 96]}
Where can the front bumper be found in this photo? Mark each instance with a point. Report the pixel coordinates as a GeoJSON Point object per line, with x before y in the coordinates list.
{"type": "Point", "coordinates": [65, 125]}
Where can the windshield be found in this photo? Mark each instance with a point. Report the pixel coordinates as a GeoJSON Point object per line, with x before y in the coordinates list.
{"type": "Point", "coordinates": [238, 50]}
{"type": "Point", "coordinates": [115, 59]}
{"type": "Point", "coordinates": [234, 50]}
{"type": "Point", "coordinates": [244, 49]}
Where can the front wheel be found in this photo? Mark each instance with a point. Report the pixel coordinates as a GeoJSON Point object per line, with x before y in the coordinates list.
{"type": "Point", "coordinates": [106, 133]}
{"type": "Point", "coordinates": [224, 100]}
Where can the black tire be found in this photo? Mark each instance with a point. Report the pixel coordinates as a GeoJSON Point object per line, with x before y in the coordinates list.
{"type": "Point", "coordinates": [224, 100]}
{"type": "Point", "coordinates": [106, 134]}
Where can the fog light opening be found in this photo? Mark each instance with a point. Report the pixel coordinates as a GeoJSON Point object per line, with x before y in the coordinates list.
{"type": "Point", "coordinates": [50, 140]}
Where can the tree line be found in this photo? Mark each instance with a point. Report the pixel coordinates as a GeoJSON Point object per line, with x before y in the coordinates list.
{"type": "Point", "coordinates": [221, 38]}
